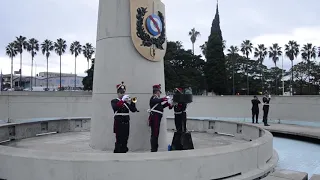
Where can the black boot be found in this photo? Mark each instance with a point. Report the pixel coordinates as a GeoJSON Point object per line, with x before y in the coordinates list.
{"type": "Point", "coordinates": [154, 144]}
{"type": "Point", "coordinates": [116, 148]}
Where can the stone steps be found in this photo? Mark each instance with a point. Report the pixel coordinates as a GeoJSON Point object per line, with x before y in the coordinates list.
{"type": "Point", "coordinates": [315, 177]}
{"type": "Point", "coordinates": [283, 174]}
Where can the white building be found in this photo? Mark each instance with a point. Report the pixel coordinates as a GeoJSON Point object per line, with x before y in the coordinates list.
{"type": "Point", "coordinates": [67, 80]}
{"type": "Point", "coordinates": [54, 82]}
{"type": "Point", "coordinates": [54, 74]}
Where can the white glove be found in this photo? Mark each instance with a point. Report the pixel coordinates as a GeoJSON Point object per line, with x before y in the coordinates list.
{"type": "Point", "coordinates": [269, 96]}
{"type": "Point", "coordinates": [125, 97]}
{"type": "Point", "coordinates": [170, 101]}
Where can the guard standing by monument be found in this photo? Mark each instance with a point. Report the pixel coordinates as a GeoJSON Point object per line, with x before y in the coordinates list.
{"type": "Point", "coordinates": [157, 106]}
{"type": "Point", "coordinates": [180, 114]}
{"type": "Point", "coordinates": [255, 108]}
{"type": "Point", "coordinates": [266, 101]}
{"type": "Point", "coordinates": [121, 127]}
{"type": "Point", "coordinates": [182, 139]}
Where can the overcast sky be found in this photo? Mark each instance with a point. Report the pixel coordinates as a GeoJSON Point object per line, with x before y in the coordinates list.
{"type": "Point", "coordinates": [261, 21]}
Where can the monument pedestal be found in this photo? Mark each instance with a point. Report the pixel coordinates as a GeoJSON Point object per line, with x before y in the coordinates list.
{"type": "Point", "coordinates": [117, 60]}
{"type": "Point", "coordinates": [182, 141]}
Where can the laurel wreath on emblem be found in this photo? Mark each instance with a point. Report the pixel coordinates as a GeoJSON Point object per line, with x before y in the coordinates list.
{"type": "Point", "coordinates": [147, 40]}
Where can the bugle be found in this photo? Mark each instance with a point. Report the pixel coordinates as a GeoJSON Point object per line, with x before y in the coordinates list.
{"type": "Point", "coordinates": [134, 99]}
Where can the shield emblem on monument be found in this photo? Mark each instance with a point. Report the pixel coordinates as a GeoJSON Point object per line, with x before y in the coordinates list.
{"type": "Point", "coordinates": [148, 28]}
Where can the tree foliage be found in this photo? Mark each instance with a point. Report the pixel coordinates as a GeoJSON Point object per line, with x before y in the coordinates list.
{"type": "Point", "coordinates": [88, 80]}
{"type": "Point", "coordinates": [215, 67]}
{"type": "Point", "coordinates": [183, 69]}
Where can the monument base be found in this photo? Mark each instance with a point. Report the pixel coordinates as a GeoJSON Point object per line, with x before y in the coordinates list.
{"type": "Point", "coordinates": [181, 141]}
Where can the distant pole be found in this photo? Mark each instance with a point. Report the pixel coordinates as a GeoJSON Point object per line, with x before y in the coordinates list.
{"type": "Point", "coordinates": [31, 78]}
{"type": "Point", "coordinates": [35, 76]}
{"type": "Point", "coordinates": [282, 77]}
{"type": "Point", "coordinates": [1, 81]}
{"type": "Point", "coordinates": [75, 73]}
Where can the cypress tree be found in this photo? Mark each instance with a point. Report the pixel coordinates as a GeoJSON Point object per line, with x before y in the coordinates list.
{"type": "Point", "coordinates": [215, 70]}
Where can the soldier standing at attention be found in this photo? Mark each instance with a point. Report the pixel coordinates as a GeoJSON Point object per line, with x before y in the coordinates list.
{"type": "Point", "coordinates": [255, 108]}
{"type": "Point", "coordinates": [157, 106]}
{"type": "Point", "coordinates": [121, 127]}
{"type": "Point", "coordinates": [266, 101]}
{"type": "Point", "coordinates": [180, 114]}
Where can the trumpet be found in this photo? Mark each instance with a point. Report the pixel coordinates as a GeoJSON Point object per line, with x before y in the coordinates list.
{"type": "Point", "coordinates": [134, 99]}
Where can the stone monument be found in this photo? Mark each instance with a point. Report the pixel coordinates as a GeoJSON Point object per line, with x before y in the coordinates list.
{"type": "Point", "coordinates": [131, 44]}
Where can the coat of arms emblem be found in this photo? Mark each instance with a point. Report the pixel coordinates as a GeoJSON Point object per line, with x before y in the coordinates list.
{"type": "Point", "coordinates": [148, 28]}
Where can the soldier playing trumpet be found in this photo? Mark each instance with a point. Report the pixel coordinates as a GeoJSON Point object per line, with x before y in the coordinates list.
{"type": "Point", "coordinates": [157, 106]}
{"type": "Point", "coordinates": [121, 107]}
{"type": "Point", "coordinates": [266, 101]}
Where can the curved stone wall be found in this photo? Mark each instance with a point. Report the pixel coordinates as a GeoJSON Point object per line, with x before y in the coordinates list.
{"type": "Point", "coordinates": [24, 105]}
{"type": "Point", "coordinates": [27, 105]}
{"type": "Point", "coordinates": [248, 160]}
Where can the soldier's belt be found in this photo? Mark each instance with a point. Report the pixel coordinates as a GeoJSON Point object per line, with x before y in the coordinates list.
{"type": "Point", "coordinates": [152, 110]}
{"type": "Point", "coordinates": [266, 104]}
{"type": "Point", "coordinates": [121, 114]}
{"type": "Point", "coordinates": [179, 112]}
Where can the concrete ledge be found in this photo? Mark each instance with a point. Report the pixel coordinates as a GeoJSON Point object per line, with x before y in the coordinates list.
{"type": "Point", "coordinates": [249, 160]}
{"type": "Point", "coordinates": [46, 93]}
{"type": "Point", "coordinates": [19, 105]}
{"type": "Point", "coordinates": [315, 177]}
{"type": "Point", "coordinates": [302, 131]}
{"type": "Point", "coordinates": [287, 174]}
{"type": "Point", "coordinates": [286, 129]}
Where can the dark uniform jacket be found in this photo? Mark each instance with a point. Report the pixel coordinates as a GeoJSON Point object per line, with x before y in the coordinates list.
{"type": "Point", "coordinates": [120, 107]}
{"type": "Point", "coordinates": [155, 105]}
{"type": "Point", "coordinates": [255, 104]}
{"type": "Point", "coordinates": [266, 101]}
{"type": "Point", "coordinates": [180, 108]}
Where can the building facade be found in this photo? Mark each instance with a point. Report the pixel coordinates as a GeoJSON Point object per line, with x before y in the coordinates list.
{"type": "Point", "coordinates": [67, 80]}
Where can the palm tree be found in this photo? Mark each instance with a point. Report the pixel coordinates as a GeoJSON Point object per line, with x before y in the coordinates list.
{"type": "Point", "coordinates": [308, 52]}
{"type": "Point", "coordinates": [46, 48]}
{"type": "Point", "coordinates": [292, 51]}
{"type": "Point", "coordinates": [21, 44]}
{"type": "Point", "coordinates": [274, 53]}
{"type": "Point", "coordinates": [75, 48]}
{"type": "Point", "coordinates": [193, 37]}
{"type": "Point", "coordinates": [11, 51]}
{"type": "Point", "coordinates": [233, 52]}
{"type": "Point", "coordinates": [33, 48]}
{"type": "Point", "coordinates": [179, 44]}
{"type": "Point", "coordinates": [60, 48]}
{"type": "Point", "coordinates": [203, 48]}
{"type": "Point", "coordinates": [88, 52]}
{"type": "Point", "coordinates": [260, 52]}
{"type": "Point", "coordinates": [246, 49]}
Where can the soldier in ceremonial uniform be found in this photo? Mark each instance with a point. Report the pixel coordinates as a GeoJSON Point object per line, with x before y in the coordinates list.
{"type": "Point", "coordinates": [157, 106]}
{"type": "Point", "coordinates": [255, 108]}
{"type": "Point", "coordinates": [266, 101]}
{"type": "Point", "coordinates": [121, 107]}
{"type": "Point", "coordinates": [180, 115]}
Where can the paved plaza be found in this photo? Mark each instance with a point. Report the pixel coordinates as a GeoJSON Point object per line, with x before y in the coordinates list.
{"type": "Point", "coordinates": [79, 142]}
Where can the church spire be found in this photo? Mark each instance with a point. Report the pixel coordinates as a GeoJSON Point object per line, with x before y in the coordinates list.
{"type": "Point", "coordinates": [217, 11]}
{"type": "Point", "coordinates": [216, 17]}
